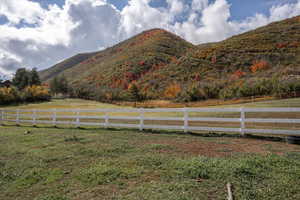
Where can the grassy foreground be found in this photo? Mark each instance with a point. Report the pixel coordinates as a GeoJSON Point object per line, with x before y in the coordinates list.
{"type": "Point", "coordinates": [74, 164]}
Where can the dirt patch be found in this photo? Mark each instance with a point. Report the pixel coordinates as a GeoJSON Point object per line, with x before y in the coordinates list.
{"type": "Point", "coordinates": [224, 147]}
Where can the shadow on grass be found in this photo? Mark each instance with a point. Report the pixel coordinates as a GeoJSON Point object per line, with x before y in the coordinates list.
{"type": "Point", "coordinates": [165, 132]}
{"type": "Point", "coordinates": [227, 135]}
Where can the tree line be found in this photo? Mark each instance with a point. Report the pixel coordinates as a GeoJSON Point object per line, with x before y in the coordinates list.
{"type": "Point", "coordinates": [25, 86]}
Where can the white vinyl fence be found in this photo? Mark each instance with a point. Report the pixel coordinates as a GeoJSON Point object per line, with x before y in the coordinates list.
{"type": "Point", "coordinates": [85, 117]}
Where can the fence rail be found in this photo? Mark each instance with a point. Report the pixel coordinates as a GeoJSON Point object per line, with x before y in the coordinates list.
{"type": "Point", "coordinates": [77, 117]}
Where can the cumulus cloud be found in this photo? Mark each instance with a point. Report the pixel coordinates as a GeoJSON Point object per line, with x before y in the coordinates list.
{"type": "Point", "coordinates": [79, 26]}
{"type": "Point", "coordinates": [54, 33]}
{"type": "Point", "coordinates": [19, 10]}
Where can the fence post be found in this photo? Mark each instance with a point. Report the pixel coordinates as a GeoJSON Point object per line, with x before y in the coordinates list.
{"type": "Point", "coordinates": [106, 120]}
{"type": "Point", "coordinates": [54, 117]}
{"type": "Point", "coordinates": [34, 117]}
{"type": "Point", "coordinates": [141, 119]}
{"type": "Point", "coordinates": [242, 119]}
{"type": "Point", "coordinates": [77, 119]}
{"type": "Point", "coordinates": [186, 118]}
{"type": "Point", "coordinates": [18, 117]}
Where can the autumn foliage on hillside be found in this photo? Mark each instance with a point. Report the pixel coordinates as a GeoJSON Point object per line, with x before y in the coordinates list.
{"type": "Point", "coordinates": [238, 74]}
{"type": "Point", "coordinates": [172, 91]}
{"type": "Point", "coordinates": [259, 65]}
{"type": "Point", "coordinates": [164, 66]}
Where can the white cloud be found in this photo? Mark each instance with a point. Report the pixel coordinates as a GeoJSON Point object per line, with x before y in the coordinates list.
{"type": "Point", "coordinates": [86, 25]}
{"type": "Point", "coordinates": [80, 26]}
{"type": "Point", "coordinates": [212, 25]}
{"type": "Point", "coordinates": [139, 15]}
{"type": "Point", "coordinates": [19, 10]}
{"type": "Point", "coordinates": [199, 5]}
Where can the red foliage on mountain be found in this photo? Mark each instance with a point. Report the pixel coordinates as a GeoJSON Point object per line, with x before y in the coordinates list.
{"type": "Point", "coordinates": [142, 63]}
{"type": "Point", "coordinates": [282, 45]}
{"type": "Point", "coordinates": [259, 65]}
{"type": "Point", "coordinates": [295, 44]}
{"type": "Point", "coordinates": [214, 59]}
{"type": "Point", "coordinates": [237, 74]}
{"type": "Point", "coordinates": [130, 76]}
{"type": "Point", "coordinates": [197, 77]}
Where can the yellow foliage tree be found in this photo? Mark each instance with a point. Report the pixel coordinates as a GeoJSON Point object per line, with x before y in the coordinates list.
{"type": "Point", "coordinates": [36, 93]}
{"type": "Point", "coordinates": [172, 91]}
{"type": "Point", "coordinates": [8, 95]}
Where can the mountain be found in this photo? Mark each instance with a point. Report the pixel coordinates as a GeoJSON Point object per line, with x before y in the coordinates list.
{"type": "Point", "coordinates": [118, 66]}
{"type": "Point", "coordinates": [164, 65]}
{"type": "Point", "coordinates": [270, 52]}
{"type": "Point", "coordinates": [64, 65]}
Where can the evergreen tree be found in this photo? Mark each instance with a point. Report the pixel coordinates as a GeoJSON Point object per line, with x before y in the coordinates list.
{"type": "Point", "coordinates": [21, 79]}
{"type": "Point", "coordinates": [59, 85]}
{"type": "Point", "coordinates": [54, 85]}
{"type": "Point", "coordinates": [134, 93]}
{"type": "Point", "coordinates": [24, 78]}
{"type": "Point", "coordinates": [34, 78]}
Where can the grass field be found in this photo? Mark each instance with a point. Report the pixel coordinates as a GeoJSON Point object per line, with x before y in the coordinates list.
{"type": "Point", "coordinates": [67, 164]}
{"type": "Point", "coordinates": [85, 104]}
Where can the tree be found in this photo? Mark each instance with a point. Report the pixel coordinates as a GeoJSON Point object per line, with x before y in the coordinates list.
{"type": "Point", "coordinates": [134, 92]}
{"type": "Point", "coordinates": [34, 78]}
{"type": "Point", "coordinates": [59, 85]}
{"type": "Point", "coordinates": [24, 78]}
{"type": "Point", "coordinates": [172, 91]}
{"type": "Point", "coordinates": [21, 79]}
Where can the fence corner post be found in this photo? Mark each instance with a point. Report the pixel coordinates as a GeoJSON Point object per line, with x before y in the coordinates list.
{"type": "Point", "coordinates": [186, 118]}
{"type": "Point", "coordinates": [242, 119]}
{"type": "Point", "coordinates": [141, 119]}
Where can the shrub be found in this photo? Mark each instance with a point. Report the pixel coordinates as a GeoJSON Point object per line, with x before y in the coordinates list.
{"type": "Point", "coordinates": [212, 90]}
{"type": "Point", "coordinates": [9, 95]}
{"type": "Point", "coordinates": [259, 65]}
{"type": "Point", "coordinates": [228, 93]}
{"type": "Point", "coordinates": [134, 92]}
{"type": "Point", "coordinates": [36, 93]}
{"type": "Point", "coordinates": [172, 91]}
{"type": "Point", "coordinates": [195, 93]}
{"type": "Point", "coordinates": [238, 74]}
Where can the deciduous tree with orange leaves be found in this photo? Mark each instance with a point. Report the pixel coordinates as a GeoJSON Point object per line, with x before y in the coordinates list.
{"type": "Point", "coordinates": [259, 65]}
{"type": "Point", "coordinates": [172, 91]}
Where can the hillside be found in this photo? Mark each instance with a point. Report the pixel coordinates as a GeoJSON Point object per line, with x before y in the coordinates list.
{"type": "Point", "coordinates": [165, 66]}
{"type": "Point", "coordinates": [254, 63]}
{"type": "Point", "coordinates": [116, 67]}
{"type": "Point", "coordinates": [64, 65]}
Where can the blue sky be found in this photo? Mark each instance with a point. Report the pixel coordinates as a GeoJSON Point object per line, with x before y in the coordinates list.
{"type": "Point", "coordinates": [32, 34]}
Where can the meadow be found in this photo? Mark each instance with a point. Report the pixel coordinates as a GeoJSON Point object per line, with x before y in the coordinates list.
{"type": "Point", "coordinates": [65, 163]}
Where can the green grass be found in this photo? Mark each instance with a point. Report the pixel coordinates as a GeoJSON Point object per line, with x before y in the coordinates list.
{"type": "Point", "coordinates": [63, 104]}
{"type": "Point", "coordinates": [67, 164]}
